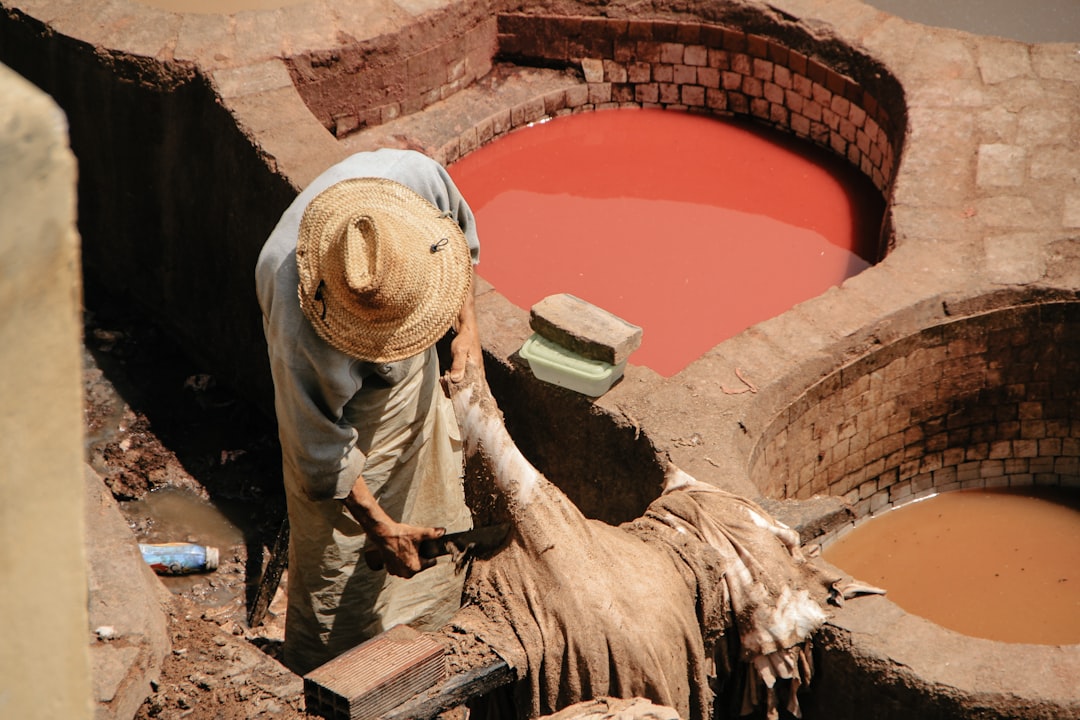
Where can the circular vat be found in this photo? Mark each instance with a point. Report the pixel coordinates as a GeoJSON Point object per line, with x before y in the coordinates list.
{"type": "Point", "coordinates": [688, 226]}
{"type": "Point", "coordinates": [984, 402]}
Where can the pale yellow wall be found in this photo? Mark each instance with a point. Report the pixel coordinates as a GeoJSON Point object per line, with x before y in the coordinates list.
{"type": "Point", "coordinates": [44, 660]}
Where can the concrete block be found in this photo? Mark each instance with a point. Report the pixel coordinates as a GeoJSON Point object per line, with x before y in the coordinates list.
{"type": "Point", "coordinates": [584, 328]}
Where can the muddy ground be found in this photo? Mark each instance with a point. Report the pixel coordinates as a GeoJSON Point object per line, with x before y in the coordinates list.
{"type": "Point", "coordinates": [156, 424]}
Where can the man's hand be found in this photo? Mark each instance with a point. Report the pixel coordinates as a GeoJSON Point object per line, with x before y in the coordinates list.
{"type": "Point", "coordinates": [466, 346]}
{"type": "Point", "coordinates": [399, 545]}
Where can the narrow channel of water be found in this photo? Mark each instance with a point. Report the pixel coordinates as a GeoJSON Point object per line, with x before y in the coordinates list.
{"type": "Point", "coordinates": [217, 7]}
{"type": "Point", "coordinates": [1002, 564]}
{"type": "Point", "coordinates": [1032, 21]}
{"type": "Point", "coordinates": [691, 227]}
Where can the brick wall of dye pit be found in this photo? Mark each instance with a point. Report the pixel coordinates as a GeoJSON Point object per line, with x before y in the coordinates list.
{"type": "Point", "coordinates": [988, 400]}
{"type": "Point", "coordinates": [357, 86]}
{"type": "Point", "coordinates": [778, 75]}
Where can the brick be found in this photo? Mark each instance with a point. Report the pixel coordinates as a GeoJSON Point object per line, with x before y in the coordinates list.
{"type": "Point", "coordinates": [740, 63]}
{"type": "Point", "coordinates": [800, 125]}
{"type": "Point", "coordinates": [794, 101]}
{"type": "Point", "coordinates": [719, 59]}
{"type": "Point", "coordinates": [712, 36]}
{"type": "Point", "coordinates": [622, 93]}
{"type": "Point", "coordinates": [738, 103]}
{"type": "Point", "coordinates": [671, 53]}
{"type": "Point", "coordinates": [847, 130]}
{"type": "Point", "coordinates": [708, 77]}
{"type": "Point", "coordinates": [693, 95]}
{"type": "Point", "coordinates": [599, 93]}
{"type": "Point", "coordinates": [648, 51]}
{"type": "Point", "coordinates": [751, 86]}
{"type": "Point", "coordinates": [639, 29]}
{"type": "Point", "coordinates": [797, 62]}
{"type": "Point", "coordinates": [774, 93]}
{"type": "Point", "coordinates": [835, 82]}
{"type": "Point", "coordinates": [684, 75]}
{"type": "Point", "coordinates": [757, 46]}
{"type": "Point", "coordinates": [857, 115]}
{"type": "Point", "coordinates": [625, 51]}
{"type": "Point", "coordinates": [731, 80]}
{"type": "Point", "coordinates": [593, 69]}
{"type": "Point", "coordinates": [734, 41]}
{"type": "Point", "coordinates": [716, 100]}
{"type": "Point", "coordinates": [821, 95]}
{"type": "Point", "coordinates": [696, 55]}
{"type": "Point", "coordinates": [639, 72]}
{"type": "Point", "coordinates": [614, 72]}
{"type": "Point", "coordinates": [576, 96]}
{"type": "Point", "coordinates": [803, 85]}
{"type": "Point", "coordinates": [647, 93]}
{"type": "Point", "coordinates": [782, 77]}
{"type": "Point", "coordinates": [688, 33]}
{"type": "Point", "coordinates": [584, 328]}
{"type": "Point", "coordinates": [762, 69]}
{"type": "Point", "coordinates": [377, 675]}
{"type": "Point", "coordinates": [778, 114]}
{"type": "Point", "coordinates": [778, 53]}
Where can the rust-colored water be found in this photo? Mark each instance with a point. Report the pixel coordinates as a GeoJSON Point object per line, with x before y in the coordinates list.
{"type": "Point", "coordinates": [997, 564]}
{"type": "Point", "coordinates": [691, 227]}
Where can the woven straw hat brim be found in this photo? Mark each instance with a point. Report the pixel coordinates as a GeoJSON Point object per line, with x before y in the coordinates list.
{"type": "Point", "coordinates": [383, 272]}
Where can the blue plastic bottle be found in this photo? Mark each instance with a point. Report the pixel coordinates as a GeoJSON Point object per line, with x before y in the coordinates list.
{"type": "Point", "coordinates": [179, 558]}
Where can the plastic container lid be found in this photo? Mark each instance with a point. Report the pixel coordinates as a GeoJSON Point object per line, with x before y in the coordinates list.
{"type": "Point", "coordinates": [553, 363]}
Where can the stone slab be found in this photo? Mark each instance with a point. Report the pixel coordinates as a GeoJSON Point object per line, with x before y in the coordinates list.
{"type": "Point", "coordinates": [584, 328]}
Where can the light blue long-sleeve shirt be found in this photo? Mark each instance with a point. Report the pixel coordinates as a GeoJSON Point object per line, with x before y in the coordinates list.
{"type": "Point", "coordinates": [314, 382]}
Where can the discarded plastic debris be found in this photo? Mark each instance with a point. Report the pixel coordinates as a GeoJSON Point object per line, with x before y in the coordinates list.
{"type": "Point", "coordinates": [179, 558]}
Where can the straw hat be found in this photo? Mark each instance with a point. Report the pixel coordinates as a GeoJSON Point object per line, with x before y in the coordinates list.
{"type": "Point", "coordinates": [383, 272]}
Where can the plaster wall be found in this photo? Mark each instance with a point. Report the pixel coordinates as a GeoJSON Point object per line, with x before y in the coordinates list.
{"type": "Point", "coordinates": [44, 662]}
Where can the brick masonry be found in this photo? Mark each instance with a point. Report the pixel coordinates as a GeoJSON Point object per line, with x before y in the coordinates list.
{"type": "Point", "coordinates": [991, 400]}
{"type": "Point", "coordinates": [712, 69]}
{"type": "Point", "coordinates": [369, 84]}
{"type": "Point", "coordinates": [689, 66]}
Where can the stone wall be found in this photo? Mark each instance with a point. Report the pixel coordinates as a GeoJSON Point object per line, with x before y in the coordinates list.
{"type": "Point", "coordinates": [989, 400]}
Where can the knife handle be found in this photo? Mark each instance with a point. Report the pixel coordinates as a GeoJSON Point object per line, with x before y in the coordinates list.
{"type": "Point", "coordinates": [428, 549]}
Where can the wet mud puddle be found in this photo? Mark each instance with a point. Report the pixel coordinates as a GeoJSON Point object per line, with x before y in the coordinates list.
{"type": "Point", "coordinates": [171, 515]}
{"type": "Point", "coordinates": [1001, 564]}
{"type": "Point", "coordinates": [691, 227]}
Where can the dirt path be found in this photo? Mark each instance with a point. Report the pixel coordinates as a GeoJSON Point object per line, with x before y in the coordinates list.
{"type": "Point", "coordinates": [154, 423]}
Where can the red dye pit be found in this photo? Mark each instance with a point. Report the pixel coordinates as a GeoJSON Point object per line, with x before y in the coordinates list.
{"type": "Point", "coordinates": [691, 227]}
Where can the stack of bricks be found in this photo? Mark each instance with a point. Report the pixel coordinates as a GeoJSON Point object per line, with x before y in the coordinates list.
{"type": "Point", "coordinates": [712, 69]}
{"type": "Point", "coordinates": [986, 401]}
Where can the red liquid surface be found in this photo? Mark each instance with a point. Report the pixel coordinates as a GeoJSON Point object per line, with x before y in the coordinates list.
{"type": "Point", "coordinates": [691, 227]}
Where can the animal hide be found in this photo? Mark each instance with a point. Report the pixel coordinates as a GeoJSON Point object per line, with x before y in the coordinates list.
{"type": "Point", "coordinates": [703, 586]}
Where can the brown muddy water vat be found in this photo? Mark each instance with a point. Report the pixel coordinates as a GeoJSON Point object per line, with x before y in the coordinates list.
{"type": "Point", "coordinates": [981, 403]}
{"type": "Point", "coordinates": [193, 131]}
